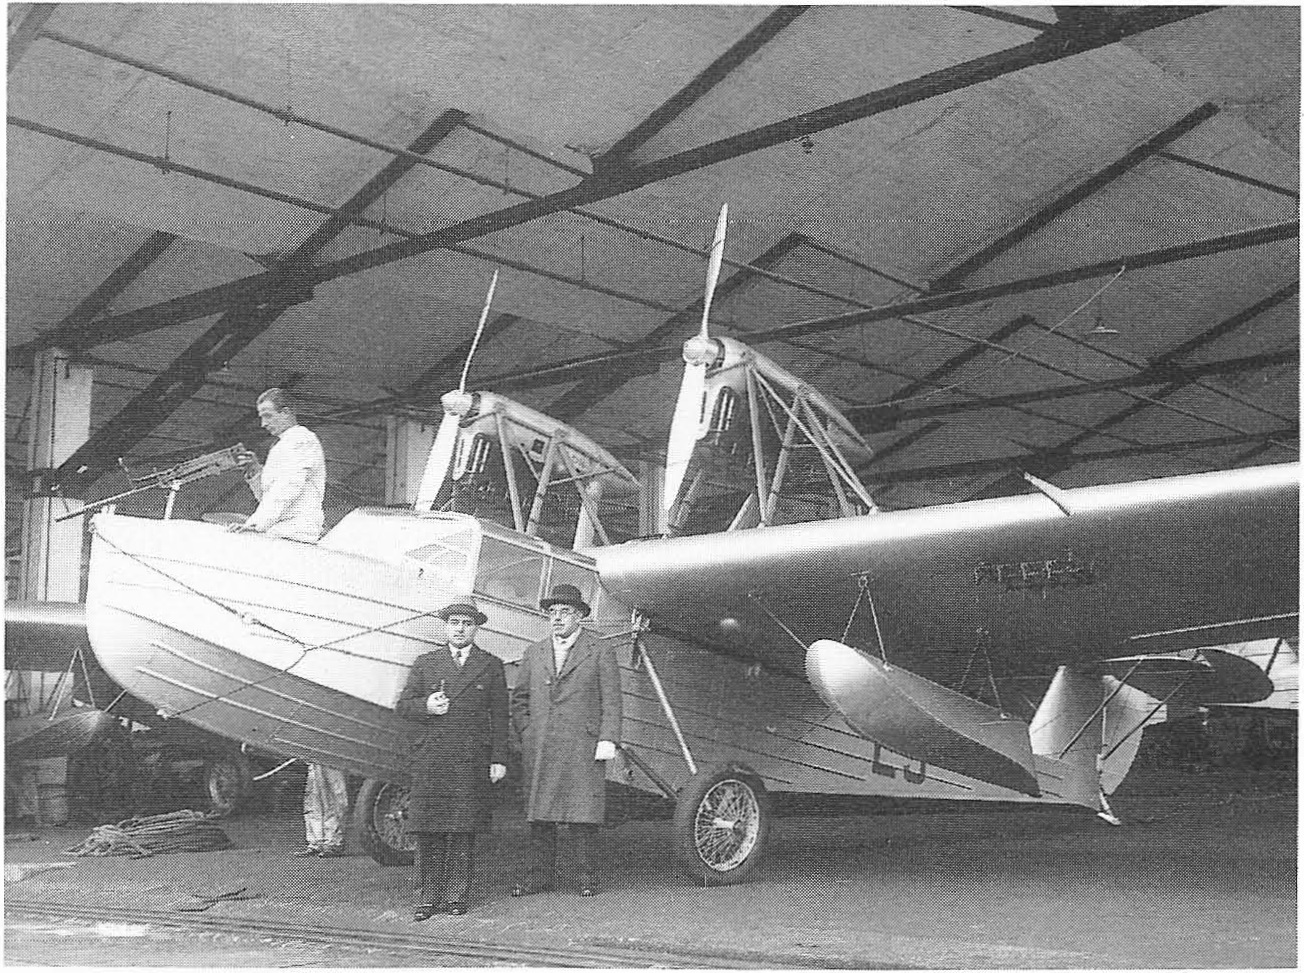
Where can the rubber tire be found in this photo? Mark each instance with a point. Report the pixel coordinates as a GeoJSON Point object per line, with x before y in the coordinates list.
{"type": "Point", "coordinates": [228, 782]}
{"type": "Point", "coordinates": [704, 787]}
{"type": "Point", "coordinates": [373, 803]}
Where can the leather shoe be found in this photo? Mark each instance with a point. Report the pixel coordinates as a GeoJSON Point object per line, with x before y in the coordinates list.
{"type": "Point", "coordinates": [455, 908]}
{"type": "Point", "coordinates": [519, 890]}
{"type": "Point", "coordinates": [331, 852]}
{"type": "Point", "coordinates": [424, 911]}
{"type": "Point", "coordinates": [309, 852]}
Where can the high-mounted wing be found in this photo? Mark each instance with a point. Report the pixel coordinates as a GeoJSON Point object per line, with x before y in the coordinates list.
{"type": "Point", "coordinates": [1200, 558]}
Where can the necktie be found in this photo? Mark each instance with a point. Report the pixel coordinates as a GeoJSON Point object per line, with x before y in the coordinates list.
{"type": "Point", "coordinates": [459, 656]}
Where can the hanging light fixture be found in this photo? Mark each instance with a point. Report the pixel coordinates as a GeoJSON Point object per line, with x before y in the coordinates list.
{"type": "Point", "coordinates": [1101, 330]}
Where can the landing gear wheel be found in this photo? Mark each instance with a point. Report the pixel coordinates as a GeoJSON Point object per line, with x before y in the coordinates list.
{"type": "Point", "coordinates": [380, 818]}
{"type": "Point", "coordinates": [721, 821]}
{"type": "Point", "coordinates": [228, 780]}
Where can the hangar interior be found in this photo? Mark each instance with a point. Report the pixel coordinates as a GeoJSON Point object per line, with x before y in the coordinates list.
{"type": "Point", "coordinates": [1001, 239]}
{"type": "Point", "coordinates": [1061, 241]}
{"type": "Point", "coordinates": [205, 201]}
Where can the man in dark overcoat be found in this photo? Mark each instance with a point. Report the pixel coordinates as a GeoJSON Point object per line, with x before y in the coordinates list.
{"type": "Point", "coordinates": [458, 698]}
{"type": "Point", "coordinates": [566, 705]}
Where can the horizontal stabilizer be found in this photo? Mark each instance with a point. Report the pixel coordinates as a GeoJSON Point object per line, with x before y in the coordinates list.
{"type": "Point", "coordinates": [921, 719]}
{"type": "Point", "coordinates": [1200, 677]}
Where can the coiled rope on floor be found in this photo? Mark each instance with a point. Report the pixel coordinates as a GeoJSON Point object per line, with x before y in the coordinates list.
{"type": "Point", "coordinates": [157, 834]}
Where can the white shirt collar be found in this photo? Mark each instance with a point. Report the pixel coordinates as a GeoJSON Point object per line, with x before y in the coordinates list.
{"type": "Point", "coordinates": [568, 641]}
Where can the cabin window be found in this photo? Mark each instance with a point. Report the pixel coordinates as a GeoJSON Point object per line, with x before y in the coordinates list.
{"type": "Point", "coordinates": [584, 578]}
{"type": "Point", "coordinates": [509, 572]}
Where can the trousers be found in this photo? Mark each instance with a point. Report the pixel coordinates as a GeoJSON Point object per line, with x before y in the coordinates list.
{"type": "Point", "coordinates": [325, 803]}
{"type": "Point", "coordinates": [443, 862]}
{"type": "Point", "coordinates": [543, 852]}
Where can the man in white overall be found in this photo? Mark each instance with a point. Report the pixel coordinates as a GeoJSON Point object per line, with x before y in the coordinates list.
{"type": "Point", "coordinates": [290, 488]}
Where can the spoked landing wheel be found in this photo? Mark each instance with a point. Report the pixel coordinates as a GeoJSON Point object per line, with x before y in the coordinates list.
{"type": "Point", "coordinates": [228, 779]}
{"type": "Point", "coordinates": [721, 820]}
{"type": "Point", "coordinates": [380, 817]}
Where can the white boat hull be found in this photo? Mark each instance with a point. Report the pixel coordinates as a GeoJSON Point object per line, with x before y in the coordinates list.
{"type": "Point", "coordinates": [303, 649]}
{"type": "Point", "coordinates": [296, 648]}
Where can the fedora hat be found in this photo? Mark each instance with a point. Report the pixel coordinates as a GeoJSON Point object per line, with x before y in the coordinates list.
{"type": "Point", "coordinates": [466, 607]}
{"type": "Point", "coordinates": [566, 594]}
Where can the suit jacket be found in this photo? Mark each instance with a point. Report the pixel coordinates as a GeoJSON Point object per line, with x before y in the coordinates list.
{"type": "Point", "coordinates": [450, 754]}
{"type": "Point", "coordinates": [561, 717]}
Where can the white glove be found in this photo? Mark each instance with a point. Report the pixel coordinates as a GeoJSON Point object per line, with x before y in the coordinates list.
{"type": "Point", "coordinates": [496, 773]}
{"type": "Point", "coordinates": [606, 750]}
{"type": "Point", "coordinates": [437, 704]}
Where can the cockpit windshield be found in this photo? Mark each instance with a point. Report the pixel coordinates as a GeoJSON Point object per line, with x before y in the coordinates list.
{"type": "Point", "coordinates": [443, 547]}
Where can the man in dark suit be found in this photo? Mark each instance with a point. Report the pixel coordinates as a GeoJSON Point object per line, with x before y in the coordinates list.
{"type": "Point", "coordinates": [566, 703]}
{"type": "Point", "coordinates": [458, 696]}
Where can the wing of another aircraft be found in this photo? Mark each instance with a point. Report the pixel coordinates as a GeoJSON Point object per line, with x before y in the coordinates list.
{"type": "Point", "coordinates": [41, 636]}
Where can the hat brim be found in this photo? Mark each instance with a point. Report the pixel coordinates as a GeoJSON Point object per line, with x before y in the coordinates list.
{"type": "Point", "coordinates": [463, 610]}
{"type": "Point", "coordinates": [581, 605]}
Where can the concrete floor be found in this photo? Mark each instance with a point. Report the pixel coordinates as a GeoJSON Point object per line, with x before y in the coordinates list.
{"type": "Point", "coordinates": [1203, 874]}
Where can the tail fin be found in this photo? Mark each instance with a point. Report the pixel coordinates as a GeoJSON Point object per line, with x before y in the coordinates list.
{"type": "Point", "coordinates": [1086, 734]}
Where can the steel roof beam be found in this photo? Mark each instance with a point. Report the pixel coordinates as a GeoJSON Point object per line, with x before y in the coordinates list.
{"type": "Point", "coordinates": [66, 332]}
{"type": "Point", "coordinates": [288, 117]}
{"type": "Point", "coordinates": [158, 400]}
{"type": "Point", "coordinates": [1009, 18]}
{"type": "Point", "coordinates": [1083, 190]}
{"type": "Point", "coordinates": [930, 379]}
{"type": "Point", "coordinates": [426, 389]}
{"type": "Point", "coordinates": [1227, 243]}
{"type": "Point", "coordinates": [932, 382]}
{"type": "Point", "coordinates": [1029, 461]}
{"type": "Point", "coordinates": [1058, 420]}
{"type": "Point", "coordinates": [593, 388]}
{"type": "Point", "coordinates": [104, 332]}
{"type": "Point", "coordinates": [872, 419]}
{"type": "Point", "coordinates": [686, 97]}
{"type": "Point", "coordinates": [1174, 355]}
{"type": "Point", "coordinates": [1229, 174]}
{"type": "Point", "coordinates": [1041, 51]}
{"type": "Point", "coordinates": [28, 30]}
{"type": "Point", "coordinates": [1063, 451]}
{"type": "Point", "coordinates": [576, 368]}
{"type": "Point", "coordinates": [1061, 205]}
{"type": "Point", "coordinates": [1232, 323]}
{"type": "Point", "coordinates": [231, 334]}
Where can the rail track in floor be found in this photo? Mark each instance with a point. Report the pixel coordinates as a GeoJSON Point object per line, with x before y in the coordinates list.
{"type": "Point", "coordinates": [428, 943]}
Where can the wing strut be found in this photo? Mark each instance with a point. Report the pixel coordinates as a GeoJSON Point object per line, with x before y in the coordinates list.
{"type": "Point", "coordinates": [661, 695]}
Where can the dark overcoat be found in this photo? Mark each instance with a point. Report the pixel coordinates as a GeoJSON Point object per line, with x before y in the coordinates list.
{"type": "Point", "coordinates": [450, 754]}
{"type": "Point", "coordinates": [561, 718]}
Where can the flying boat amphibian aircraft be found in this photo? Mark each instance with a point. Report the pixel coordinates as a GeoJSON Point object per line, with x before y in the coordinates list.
{"type": "Point", "coordinates": [782, 642]}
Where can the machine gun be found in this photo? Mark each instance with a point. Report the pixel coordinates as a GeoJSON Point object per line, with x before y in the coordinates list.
{"type": "Point", "coordinates": [171, 478]}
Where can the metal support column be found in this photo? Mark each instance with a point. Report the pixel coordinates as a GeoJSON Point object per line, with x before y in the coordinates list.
{"type": "Point", "coordinates": [51, 567]}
